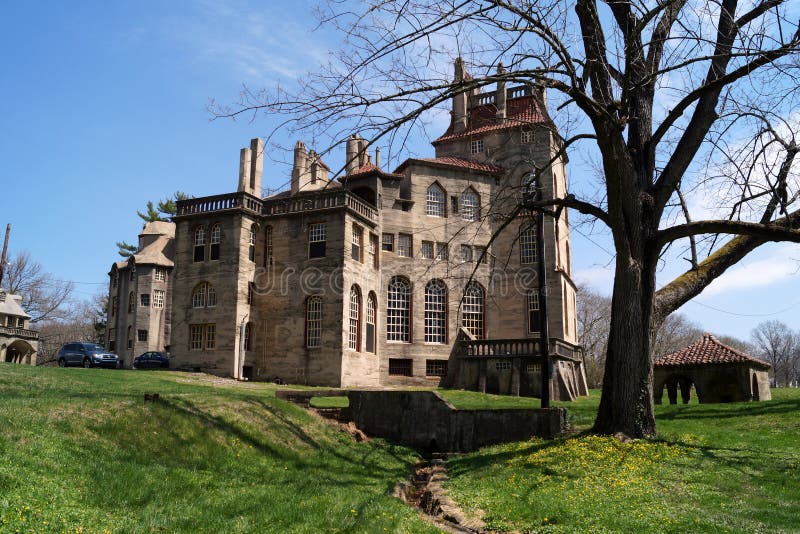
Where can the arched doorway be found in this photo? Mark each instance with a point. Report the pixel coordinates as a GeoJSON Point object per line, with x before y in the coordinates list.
{"type": "Point", "coordinates": [20, 352]}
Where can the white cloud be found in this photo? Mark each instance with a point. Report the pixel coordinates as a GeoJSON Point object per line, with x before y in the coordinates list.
{"type": "Point", "coordinates": [597, 277]}
{"type": "Point", "coordinates": [777, 267]}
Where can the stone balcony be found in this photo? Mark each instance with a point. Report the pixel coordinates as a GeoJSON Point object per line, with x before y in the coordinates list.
{"type": "Point", "coordinates": [509, 348]}
{"type": "Point", "coordinates": [19, 333]}
{"type": "Point", "coordinates": [272, 207]}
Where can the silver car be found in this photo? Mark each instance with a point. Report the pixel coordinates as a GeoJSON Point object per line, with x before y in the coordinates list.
{"type": "Point", "coordinates": [87, 355]}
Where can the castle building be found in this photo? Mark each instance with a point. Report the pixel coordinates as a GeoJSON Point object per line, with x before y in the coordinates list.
{"type": "Point", "coordinates": [18, 343]}
{"type": "Point", "coordinates": [426, 275]}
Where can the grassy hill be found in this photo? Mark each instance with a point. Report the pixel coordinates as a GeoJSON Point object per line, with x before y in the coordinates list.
{"type": "Point", "coordinates": [80, 451]}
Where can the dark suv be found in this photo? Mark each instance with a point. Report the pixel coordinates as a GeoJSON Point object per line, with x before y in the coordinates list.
{"type": "Point", "coordinates": [87, 355]}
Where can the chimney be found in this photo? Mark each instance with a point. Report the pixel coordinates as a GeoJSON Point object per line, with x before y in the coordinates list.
{"type": "Point", "coordinates": [256, 165]}
{"type": "Point", "coordinates": [500, 95]}
{"type": "Point", "coordinates": [351, 153]}
{"type": "Point", "coordinates": [300, 165]}
{"type": "Point", "coordinates": [378, 157]}
{"type": "Point", "coordinates": [244, 169]}
{"type": "Point", "coordinates": [459, 100]}
{"type": "Point", "coordinates": [363, 155]}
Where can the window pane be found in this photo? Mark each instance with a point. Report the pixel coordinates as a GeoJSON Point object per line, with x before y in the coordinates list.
{"type": "Point", "coordinates": [404, 245]}
{"type": "Point", "coordinates": [427, 250]}
{"type": "Point", "coordinates": [534, 325]}
{"type": "Point", "coordinates": [527, 244]}
{"type": "Point", "coordinates": [398, 309]}
{"type": "Point", "coordinates": [435, 203]}
{"type": "Point", "coordinates": [435, 367]}
{"type": "Point", "coordinates": [436, 312]}
{"type": "Point", "coordinates": [470, 205]}
{"type": "Point", "coordinates": [313, 321]}
{"type": "Point", "coordinates": [400, 367]}
{"type": "Point", "coordinates": [472, 310]}
{"type": "Point", "coordinates": [354, 341]}
{"type": "Point", "coordinates": [387, 242]}
{"type": "Point", "coordinates": [316, 240]}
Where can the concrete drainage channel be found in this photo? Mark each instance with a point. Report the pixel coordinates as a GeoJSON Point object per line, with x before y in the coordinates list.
{"type": "Point", "coordinates": [425, 491]}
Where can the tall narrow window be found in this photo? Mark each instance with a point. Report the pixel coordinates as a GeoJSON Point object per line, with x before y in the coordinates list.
{"type": "Point", "coordinates": [357, 244]}
{"type": "Point", "coordinates": [436, 312]}
{"type": "Point", "coordinates": [371, 316]}
{"type": "Point", "coordinates": [212, 296]}
{"type": "Point", "coordinates": [534, 317]}
{"type": "Point", "coordinates": [470, 205]}
{"type": "Point", "coordinates": [527, 243]}
{"type": "Point", "coordinates": [373, 250]}
{"type": "Point", "coordinates": [251, 251]}
{"type": "Point", "coordinates": [316, 240]}
{"type": "Point", "coordinates": [268, 246]}
{"type": "Point", "coordinates": [144, 300]}
{"type": "Point", "coordinates": [160, 274]}
{"type": "Point", "coordinates": [404, 245]}
{"type": "Point", "coordinates": [354, 340]}
{"type": "Point", "coordinates": [248, 336]}
{"type": "Point", "coordinates": [398, 310]}
{"type": "Point", "coordinates": [196, 337]}
{"type": "Point", "coordinates": [114, 306]}
{"type": "Point", "coordinates": [435, 201]}
{"type": "Point", "coordinates": [211, 335]}
{"type": "Point", "coordinates": [472, 309]}
{"type": "Point", "coordinates": [130, 337]}
{"type": "Point", "coordinates": [426, 250]}
{"type": "Point", "coordinates": [132, 272]}
{"type": "Point", "coordinates": [200, 244]}
{"type": "Point", "coordinates": [131, 302]}
{"type": "Point", "coordinates": [158, 298]}
{"type": "Point", "coordinates": [313, 322]}
{"type": "Point", "coordinates": [216, 237]}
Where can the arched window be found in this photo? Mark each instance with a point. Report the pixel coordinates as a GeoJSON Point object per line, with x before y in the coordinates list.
{"type": "Point", "coordinates": [200, 243]}
{"type": "Point", "coordinates": [527, 243]}
{"type": "Point", "coordinates": [372, 306]}
{"type": "Point", "coordinates": [472, 309]}
{"type": "Point", "coordinates": [248, 336]}
{"type": "Point", "coordinates": [398, 310]}
{"type": "Point", "coordinates": [470, 205]}
{"type": "Point", "coordinates": [199, 296]}
{"type": "Point", "coordinates": [216, 237]}
{"type": "Point", "coordinates": [436, 312]}
{"type": "Point", "coordinates": [131, 302]}
{"type": "Point", "coordinates": [435, 202]}
{"type": "Point", "coordinates": [204, 296]}
{"type": "Point", "coordinates": [251, 252]}
{"type": "Point", "coordinates": [355, 318]}
{"type": "Point", "coordinates": [313, 322]}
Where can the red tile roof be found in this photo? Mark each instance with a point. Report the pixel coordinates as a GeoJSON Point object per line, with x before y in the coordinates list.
{"type": "Point", "coordinates": [519, 112]}
{"type": "Point", "coordinates": [708, 351]}
{"type": "Point", "coordinates": [367, 169]}
{"type": "Point", "coordinates": [453, 162]}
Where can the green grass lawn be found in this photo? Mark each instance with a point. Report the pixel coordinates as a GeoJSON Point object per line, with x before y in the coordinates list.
{"type": "Point", "coordinates": [80, 451]}
{"type": "Point", "coordinates": [715, 468]}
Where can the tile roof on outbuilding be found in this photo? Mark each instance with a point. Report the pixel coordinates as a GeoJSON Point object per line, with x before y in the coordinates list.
{"type": "Point", "coordinates": [708, 351]}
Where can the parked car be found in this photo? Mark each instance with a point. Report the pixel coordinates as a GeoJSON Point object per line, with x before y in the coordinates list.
{"type": "Point", "coordinates": [87, 355]}
{"type": "Point", "coordinates": [151, 360]}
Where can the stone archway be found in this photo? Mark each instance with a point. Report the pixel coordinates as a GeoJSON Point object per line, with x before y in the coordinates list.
{"type": "Point", "coordinates": [20, 351]}
{"type": "Point", "coordinates": [755, 395]}
{"type": "Point", "coordinates": [678, 382]}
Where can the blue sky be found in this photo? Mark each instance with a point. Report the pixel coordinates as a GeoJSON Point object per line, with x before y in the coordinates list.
{"type": "Point", "coordinates": [104, 107]}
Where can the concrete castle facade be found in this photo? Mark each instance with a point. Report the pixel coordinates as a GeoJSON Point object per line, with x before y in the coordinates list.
{"type": "Point", "coordinates": [425, 275]}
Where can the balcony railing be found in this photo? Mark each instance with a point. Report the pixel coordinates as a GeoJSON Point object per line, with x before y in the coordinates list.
{"type": "Point", "coordinates": [229, 201]}
{"type": "Point", "coordinates": [493, 348]}
{"type": "Point", "coordinates": [319, 200]}
{"type": "Point", "coordinates": [22, 333]}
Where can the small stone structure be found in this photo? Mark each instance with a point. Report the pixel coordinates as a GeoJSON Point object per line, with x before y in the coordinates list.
{"type": "Point", "coordinates": [424, 420]}
{"type": "Point", "coordinates": [18, 344]}
{"type": "Point", "coordinates": [718, 372]}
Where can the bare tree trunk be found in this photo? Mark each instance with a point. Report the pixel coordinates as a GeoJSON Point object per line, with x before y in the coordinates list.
{"type": "Point", "coordinates": [626, 404]}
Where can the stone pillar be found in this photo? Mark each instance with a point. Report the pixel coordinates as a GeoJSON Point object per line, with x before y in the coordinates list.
{"type": "Point", "coordinates": [459, 100]}
{"type": "Point", "coordinates": [244, 169]}
{"type": "Point", "coordinates": [482, 375]}
{"type": "Point", "coordinates": [351, 153]}
{"type": "Point", "coordinates": [256, 165]}
{"type": "Point", "coordinates": [686, 390]}
{"type": "Point", "coordinates": [515, 376]}
{"type": "Point", "coordinates": [500, 95]}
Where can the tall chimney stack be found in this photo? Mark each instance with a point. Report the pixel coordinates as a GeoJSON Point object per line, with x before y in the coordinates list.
{"type": "Point", "coordinates": [500, 95]}
{"type": "Point", "coordinates": [351, 153]}
{"type": "Point", "coordinates": [459, 100]}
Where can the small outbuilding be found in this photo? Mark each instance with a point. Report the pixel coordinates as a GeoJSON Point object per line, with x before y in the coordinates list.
{"type": "Point", "coordinates": [719, 373]}
{"type": "Point", "coordinates": [18, 344]}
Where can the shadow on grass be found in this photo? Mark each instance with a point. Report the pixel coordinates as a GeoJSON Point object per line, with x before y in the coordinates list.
{"type": "Point", "coordinates": [730, 410]}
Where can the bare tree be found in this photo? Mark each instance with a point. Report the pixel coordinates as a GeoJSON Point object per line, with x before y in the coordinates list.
{"type": "Point", "coordinates": [780, 346]}
{"type": "Point", "coordinates": [594, 316]}
{"type": "Point", "coordinates": [85, 321]}
{"type": "Point", "coordinates": [656, 91]}
{"type": "Point", "coordinates": [674, 333]}
{"type": "Point", "coordinates": [43, 297]}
